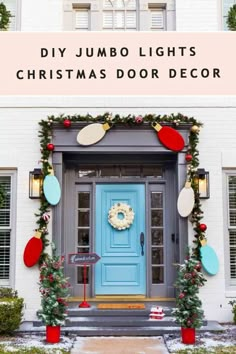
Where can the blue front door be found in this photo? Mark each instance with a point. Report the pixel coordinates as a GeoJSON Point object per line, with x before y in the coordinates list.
{"type": "Point", "coordinates": [122, 267]}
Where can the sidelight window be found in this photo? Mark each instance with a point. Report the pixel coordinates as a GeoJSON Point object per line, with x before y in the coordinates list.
{"type": "Point", "coordinates": [83, 231]}
{"type": "Point", "coordinates": [157, 239]}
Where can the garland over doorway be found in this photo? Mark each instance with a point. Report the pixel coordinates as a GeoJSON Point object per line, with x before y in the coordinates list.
{"type": "Point", "coordinates": [173, 120]}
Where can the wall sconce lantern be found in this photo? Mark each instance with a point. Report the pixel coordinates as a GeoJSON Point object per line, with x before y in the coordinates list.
{"type": "Point", "coordinates": [35, 183]}
{"type": "Point", "coordinates": [203, 183]}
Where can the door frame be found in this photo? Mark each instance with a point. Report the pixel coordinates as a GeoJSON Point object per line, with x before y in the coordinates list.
{"type": "Point", "coordinates": [138, 141]}
{"type": "Point", "coordinates": [72, 184]}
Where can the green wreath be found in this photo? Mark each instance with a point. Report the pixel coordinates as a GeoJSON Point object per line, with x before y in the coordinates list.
{"type": "Point", "coordinates": [231, 18]}
{"type": "Point", "coordinates": [5, 16]}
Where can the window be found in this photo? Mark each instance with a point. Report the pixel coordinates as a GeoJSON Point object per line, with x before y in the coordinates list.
{"type": "Point", "coordinates": [5, 230]}
{"type": "Point", "coordinates": [81, 17]}
{"type": "Point", "coordinates": [120, 15]}
{"type": "Point", "coordinates": [117, 171]}
{"type": "Point", "coordinates": [83, 229]}
{"type": "Point", "coordinates": [156, 17]}
{"type": "Point", "coordinates": [231, 191]}
{"type": "Point", "coordinates": [227, 4]}
{"type": "Point", "coordinates": [11, 6]}
{"type": "Point", "coordinates": [157, 229]}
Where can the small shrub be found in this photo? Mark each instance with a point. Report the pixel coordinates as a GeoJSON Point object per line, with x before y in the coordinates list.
{"type": "Point", "coordinates": [231, 18]}
{"type": "Point", "coordinates": [10, 310]}
{"type": "Point", "coordinates": [8, 293]}
{"type": "Point", "coordinates": [233, 304]}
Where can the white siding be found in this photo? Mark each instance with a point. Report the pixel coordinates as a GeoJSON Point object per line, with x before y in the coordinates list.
{"type": "Point", "coordinates": [46, 15]}
{"type": "Point", "coordinates": [198, 15]}
{"type": "Point", "coordinates": [19, 148]}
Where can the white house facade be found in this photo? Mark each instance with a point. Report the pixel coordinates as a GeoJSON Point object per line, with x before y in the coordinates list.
{"type": "Point", "coordinates": [125, 161]}
{"type": "Point", "coordinates": [97, 15]}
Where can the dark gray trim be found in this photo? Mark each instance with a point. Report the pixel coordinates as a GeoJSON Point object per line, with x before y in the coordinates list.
{"type": "Point", "coordinates": [136, 144]}
{"type": "Point", "coordinates": [182, 225]}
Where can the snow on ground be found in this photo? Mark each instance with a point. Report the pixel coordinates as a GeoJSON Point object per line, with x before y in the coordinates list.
{"type": "Point", "coordinates": [28, 341]}
{"type": "Point", "coordinates": [203, 340]}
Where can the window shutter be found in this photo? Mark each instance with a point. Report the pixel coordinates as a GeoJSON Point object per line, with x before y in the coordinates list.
{"type": "Point", "coordinates": [5, 231]}
{"type": "Point", "coordinates": [82, 19]}
{"type": "Point", "coordinates": [157, 19]}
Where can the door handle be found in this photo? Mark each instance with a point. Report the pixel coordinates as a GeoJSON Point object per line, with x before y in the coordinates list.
{"type": "Point", "coordinates": [142, 243]}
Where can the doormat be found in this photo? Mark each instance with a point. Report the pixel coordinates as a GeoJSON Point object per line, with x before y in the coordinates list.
{"type": "Point", "coordinates": [121, 306]}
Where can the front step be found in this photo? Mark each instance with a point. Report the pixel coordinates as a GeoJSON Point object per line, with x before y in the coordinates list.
{"type": "Point", "coordinates": [130, 322]}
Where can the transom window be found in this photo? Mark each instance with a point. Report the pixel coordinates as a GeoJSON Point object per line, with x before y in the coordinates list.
{"type": "Point", "coordinates": [231, 184]}
{"type": "Point", "coordinates": [120, 15]}
{"type": "Point", "coordinates": [118, 171]}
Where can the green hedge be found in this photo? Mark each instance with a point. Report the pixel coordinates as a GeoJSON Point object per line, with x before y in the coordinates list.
{"type": "Point", "coordinates": [10, 314]}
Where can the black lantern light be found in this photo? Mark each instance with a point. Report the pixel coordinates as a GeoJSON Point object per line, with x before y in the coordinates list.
{"type": "Point", "coordinates": [202, 178]}
{"type": "Point", "coordinates": [35, 183]}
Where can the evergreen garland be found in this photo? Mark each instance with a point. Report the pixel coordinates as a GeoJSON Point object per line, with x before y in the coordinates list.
{"type": "Point", "coordinates": [46, 133]}
{"type": "Point", "coordinates": [54, 291]}
{"type": "Point", "coordinates": [5, 16]}
{"type": "Point", "coordinates": [188, 312]}
{"type": "Point", "coordinates": [231, 18]}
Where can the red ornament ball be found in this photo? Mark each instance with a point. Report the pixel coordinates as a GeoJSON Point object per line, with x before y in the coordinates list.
{"type": "Point", "coordinates": [188, 157]}
{"type": "Point", "coordinates": [67, 123]}
{"type": "Point", "coordinates": [198, 267]}
{"type": "Point", "coordinates": [138, 119]}
{"type": "Point", "coordinates": [50, 146]}
{"type": "Point", "coordinates": [202, 227]}
{"type": "Point", "coordinates": [181, 295]}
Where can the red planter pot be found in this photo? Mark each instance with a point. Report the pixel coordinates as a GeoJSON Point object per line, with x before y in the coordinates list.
{"type": "Point", "coordinates": [53, 334]}
{"type": "Point", "coordinates": [188, 335]}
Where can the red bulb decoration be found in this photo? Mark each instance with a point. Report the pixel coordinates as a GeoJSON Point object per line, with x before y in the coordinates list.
{"type": "Point", "coordinates": [188, 157]}
{"type": "Point", "coordinates": [50, 146]}
{"type": "Point", "coordinates": [202, 227]}
{"type": "Point", "coordinates": [67, 123]}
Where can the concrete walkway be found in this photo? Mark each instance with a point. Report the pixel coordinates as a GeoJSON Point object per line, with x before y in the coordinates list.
{"type": "Point", "coordinates": [119, 345]}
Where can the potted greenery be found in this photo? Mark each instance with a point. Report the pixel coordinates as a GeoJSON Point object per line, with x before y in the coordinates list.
{"type": "Point", "coordinates": [188, 312]}
{"type": "Point", "coordinates": [231, 18]}
{"type": "Point", "coordinates": [54, 292]}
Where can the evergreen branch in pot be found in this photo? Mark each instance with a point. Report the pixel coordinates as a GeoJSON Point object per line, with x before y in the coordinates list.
{"type": "Point", "coordinates": [54, 291]}
{"type": "Point", "coordinates": [188, 312]}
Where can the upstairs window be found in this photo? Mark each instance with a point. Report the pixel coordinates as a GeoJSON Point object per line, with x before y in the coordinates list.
{"type": "Point", "coordinates": [120, 15]}
{"type": "Point", "coordinates": [81, 17]}
{"type": "Point", "coordinates": [157, 16]}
